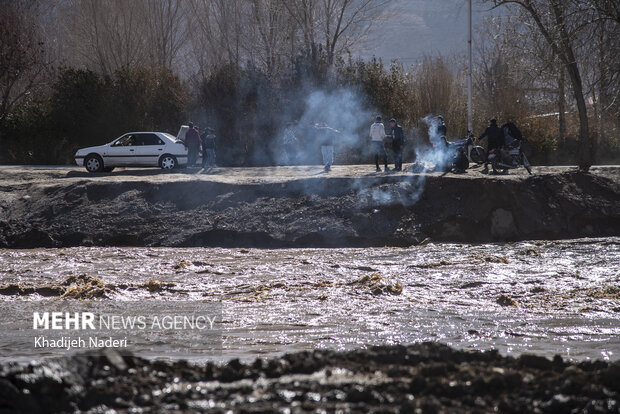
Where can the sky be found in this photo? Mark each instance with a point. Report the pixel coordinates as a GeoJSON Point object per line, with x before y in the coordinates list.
{"type": "Point", "coordinates": [414, 28]}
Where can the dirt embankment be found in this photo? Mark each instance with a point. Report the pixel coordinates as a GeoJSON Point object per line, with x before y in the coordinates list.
{"type": "Point", "coordinates": [61, 209]}
{"type": "Point", "coordinates": [425, 377]}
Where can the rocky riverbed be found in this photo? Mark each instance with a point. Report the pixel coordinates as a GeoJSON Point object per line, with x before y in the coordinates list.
{"type": "Point", "coordinates": [428, 377]}
{"type": "Point", "coordinates": [301, 207]}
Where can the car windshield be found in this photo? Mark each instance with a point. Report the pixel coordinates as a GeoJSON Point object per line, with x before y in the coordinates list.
{"type": "Point", "coordinates": [126, 141]}
{"type": "Point", "coordinates": [170, 137]}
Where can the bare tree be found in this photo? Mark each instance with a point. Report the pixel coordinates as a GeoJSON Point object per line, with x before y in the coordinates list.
{"type": "Point", "coordinates": [596, 42]}
{"type": "Point", "coordinates": [106, 36]}
{"type": "Point", "coordinates": [500, 81]}
{"type": "Point", "coordinates": [218, 29]}
{"type": "Point", "coordinates": [167, 29]}
{"type": "Point", "coordinates": [607, 72]}
{"type": "Point", "coordinates": [304, 13]}
{"type": "Point", "coordinates": [347, 22]}
{"type": "Point", "coordinates": [557, 21]}
{"type": "Point", "coordinates": [562, 103]}
{"type": "Point", "coordinates": [608, 9]}
{"type": "Point", "coordinates": [333, 26]}
{"type": "Point", "coordinates": [22, 56]}
{"type": "Point", "coordinates": [274, 29]}
{"type": "Point", "coordinates": [434, 84]}
{"type": "Point", "coordinates": [531, 80]}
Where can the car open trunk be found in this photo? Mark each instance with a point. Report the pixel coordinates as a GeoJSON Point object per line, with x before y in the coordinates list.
{"type": "Point", "coordinates": [182, 131]}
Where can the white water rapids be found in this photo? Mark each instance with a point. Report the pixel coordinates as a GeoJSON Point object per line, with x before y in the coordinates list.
{"type": "Point", "coordinates": [559, 297]}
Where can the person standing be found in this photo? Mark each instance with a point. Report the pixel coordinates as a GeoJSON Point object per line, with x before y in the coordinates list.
{"type": "Point", "coordinates": [377, 135]}
{"type": "Point", "coordinates": [442, 129]}
{"type": "Point", "coordinates": [290, 143]}
{"type": "Point", "coordinates": [192, 143]}
{"type": "Point", "coordinates": [326, 137]}
{"type": "Point", "coordinates": [208, 148]}
{"type": "Point", "coordinates": [398, 143]}
{"type": "Point", "coordinates": [496, 142]}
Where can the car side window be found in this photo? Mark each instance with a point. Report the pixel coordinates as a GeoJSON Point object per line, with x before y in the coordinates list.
{"type": "Point", "coordinates": [150, 139]}
{"type": "Point", "coordinates": [126, 141]}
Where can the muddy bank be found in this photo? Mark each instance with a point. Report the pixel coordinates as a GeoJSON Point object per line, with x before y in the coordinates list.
{"type": "Point", "coordinates": [301, 208]}
{"type": "Point", "coordinates": [425, 377]}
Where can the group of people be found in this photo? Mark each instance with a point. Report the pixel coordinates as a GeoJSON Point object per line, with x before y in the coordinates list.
{"type": "Point", "coordinates": [499, 138]}
{"type": "Point", "coordinates": [326, 138]}
{"type": "Point", "coordinates": [195, 142]}
{"type": "Point", "coordinates": [377, 142]}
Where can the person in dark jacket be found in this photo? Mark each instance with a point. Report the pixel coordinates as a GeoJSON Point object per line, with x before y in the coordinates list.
{"type": "Point", "coordinates": [496, 141]}
{"type": "Point", "coordinates": [208, 148]}
{"type": "Point", "coordinates": [511, 129]}
{"type": "Point", "coordinates": [398, 142]}
{"type": "Point", "coordinates": [442, 130]}
{"type": "Point", "coordinates": [192, 143]}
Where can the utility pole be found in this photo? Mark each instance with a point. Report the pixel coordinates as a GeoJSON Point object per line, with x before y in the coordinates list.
{"type": "Point", "coordinates": [470, 125]}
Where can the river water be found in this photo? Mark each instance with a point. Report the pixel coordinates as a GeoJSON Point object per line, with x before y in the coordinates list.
{"type": "Point", "coordinates": [547, 297]}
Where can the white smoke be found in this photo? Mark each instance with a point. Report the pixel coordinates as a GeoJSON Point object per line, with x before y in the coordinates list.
{"type": "Point", "coordinates": [428, 159]}
{"type": "Point", "coordinates": [344, 110]}
{"type": "Point", "coordinates": [438, 155]}
{"type": "Point", "coordinates": [340, 109]}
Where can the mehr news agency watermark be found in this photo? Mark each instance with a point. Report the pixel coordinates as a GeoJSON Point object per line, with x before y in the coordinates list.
{"type": "Point", "coordinates": [85, 321]}
{"type": "Point", "coordinates": [179, 327]}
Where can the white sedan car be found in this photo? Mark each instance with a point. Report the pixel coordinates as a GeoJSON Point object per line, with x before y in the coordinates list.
{"type": "Point", "coordinates": [134, 149]}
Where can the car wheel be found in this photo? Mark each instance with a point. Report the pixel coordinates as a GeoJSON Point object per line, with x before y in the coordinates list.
{"type": "Point", "coordinates": [168, 162]}
{"type": "Point", "coordinates": [93, 163]}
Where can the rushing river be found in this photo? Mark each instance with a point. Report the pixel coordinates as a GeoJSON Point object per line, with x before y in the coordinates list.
{"type": "Point", "coordinates": [560, 297]}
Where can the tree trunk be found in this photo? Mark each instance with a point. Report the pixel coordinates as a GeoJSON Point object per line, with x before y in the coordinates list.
{"type": "Point", "coordinates": [585, 146]}
{"type": "Point", "coordinates": [562, 104]}
{"type": "Point", "coordinates": [568, 56]}
{"type": "Point", "coordinates": [603, 89]}
{"type": "Point", "coordinates": [596, 113]}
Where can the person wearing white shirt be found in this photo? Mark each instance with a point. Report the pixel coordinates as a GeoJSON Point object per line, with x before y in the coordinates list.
{"type": "Point", "coordinates": [377, 135]}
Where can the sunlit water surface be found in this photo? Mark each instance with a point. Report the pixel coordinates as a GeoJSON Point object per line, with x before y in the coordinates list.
{"type": "Point", "coordinates": [565, 295]}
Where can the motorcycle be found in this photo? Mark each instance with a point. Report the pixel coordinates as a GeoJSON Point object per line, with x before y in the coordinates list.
{"type": "Point", "coordinates": [510, 158]}
{"type": "Point", "coordinates": [475, 153]}
{"type": "Point", "coordinates": [462, 152]}
{"type": "Point", "coordinates": [457, 160]}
